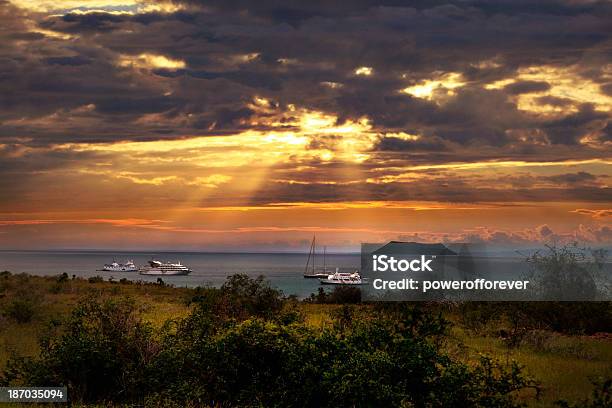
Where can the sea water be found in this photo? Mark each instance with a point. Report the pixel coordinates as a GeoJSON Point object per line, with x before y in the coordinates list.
{"type": "Point", "coordinates": [283, 270]}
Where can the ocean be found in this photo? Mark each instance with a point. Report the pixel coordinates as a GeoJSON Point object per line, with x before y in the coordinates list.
{"type": "Point", "coordinates": [283, 270]}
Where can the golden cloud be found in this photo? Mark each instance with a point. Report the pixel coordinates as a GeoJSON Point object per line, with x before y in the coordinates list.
{"type": "Point", "coordinates": [566, 83]}
{"type": "Point", "coordinates": [438, 88]}
{"type": "Point", "coordinates": [150, 61]}
{"type": "Point", "coordinates": [594, 213]}
{"type": "Point", "coordinates": [105, 6]}
{"type": "Point", "coordinates": [364, 71]}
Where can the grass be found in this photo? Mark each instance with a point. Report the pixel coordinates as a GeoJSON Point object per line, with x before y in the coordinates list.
{"type": "Point", "coordinates": [318, 316]}
{"type": "Point", "coordinates": [562, 364]}
{"type": "Point", "coordinates": [564, 367]}
{"type": "Point", "coordinates": [52, 301]}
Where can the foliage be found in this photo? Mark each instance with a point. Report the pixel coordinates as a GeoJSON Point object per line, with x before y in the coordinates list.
{"type": "Point", "coordinates": [339, 295]}
{"type": "Point", "coordinates": [569, 317]}
{"type": "Point", "coordinates": [22, 309]}
{"type": "Point", "coordinates": [601, 397]}
{"type": "Point", "coordinates": [240, 297]}
{"type": "Point", "coordinates": [569, 272]}
{"type": "Point", "coordinates": [479, 316]}
{"type": "Point", "coordinates": [383, 361]}
{"type": "Point", "coordinates": [559, 272]}
{"type": "Point", "coordinates": [99, 354]}
{"type": "Point", "coordinates": [244, 345]}
{"type": "Point", "coordinates": [60, 284]}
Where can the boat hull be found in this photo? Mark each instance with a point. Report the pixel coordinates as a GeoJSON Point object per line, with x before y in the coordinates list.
{"type": "Point", "coordinates": [317, 276]}
{"type": "Point", "coordinates": [120, 269]}
{"type": "Point", "coordinates": [152, 272]}
{"type": "Point", "coordinates": [335, 282]}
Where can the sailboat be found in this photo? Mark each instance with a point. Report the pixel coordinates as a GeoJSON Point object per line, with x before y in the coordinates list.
{"type": "Point", "coordinates": [310, 271]}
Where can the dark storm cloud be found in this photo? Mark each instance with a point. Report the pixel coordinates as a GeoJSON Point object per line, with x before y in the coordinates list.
{"type": "Point", "coordinates": [74, 61]}
{"type": "Point", "coordinates": [554, 101]}
{"type": "Point", "coordinates": [90, 21]}
{"type": "Point", "coordinates": [228, 118]}
{"type": "Point", "coordinates": [394, 144]}
{"type": "Point", "coordinates": [295, 12]}
{"type": "Point", "coordinates": [581, 177]}
{"type": "Point", "coordinates": [405, 42]}
{"type": "Point", "coordinates": [127, 105]}
{"type": "Point", "coordinates": [444, 190]}
{"type": "Point", "coordinates": [607, 132]}
{"type": "Point", "coordinates": [526, 87]}
{"type": "Point", "coordinates": [570, 128]}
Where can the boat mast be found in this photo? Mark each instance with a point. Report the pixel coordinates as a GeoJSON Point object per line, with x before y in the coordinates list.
{"type": "Point", "coordinates": [324, 252]}
{"type": "Point", "coordinates": [310, 254]}
{"type": "Point", "coordinates": [314, 252]}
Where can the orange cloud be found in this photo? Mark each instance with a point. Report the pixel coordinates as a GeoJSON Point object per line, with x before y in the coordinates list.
{"type": "Point", "coordinates": [594, 213]}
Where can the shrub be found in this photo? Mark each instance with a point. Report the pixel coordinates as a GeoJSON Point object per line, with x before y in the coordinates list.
{"type": "Point", "coordinates": [22, 310]}
{"type": "Point", "coordinates": [345, 294]}
{"type": "Point", "coordinates": [60, 283]}
{"type": "Point", "coordinates": [339, 295]}
{"type": "Point", "coordinates": [240, 297]}
{"type": "Point", "coordinates": [558, 272]}
{"type": "Point", "coordinates": [62, 278]}
{"type": "Point", "coordinates": [99, 354]}
{"type": "Point", "coordinates": [290, 314]}
{"type": "Point", "coordinates": [573, 317]}
{"type": "Point", "coordinates": [255, 296]}
{"type": "Point", "coordinates": [569, 272]}
{"type": "Point", "coordinates": [480, 316]}
{"type": "Point", "coordinates": [383, 362]}
{"type": "Point", "coordinates": [241, 346]}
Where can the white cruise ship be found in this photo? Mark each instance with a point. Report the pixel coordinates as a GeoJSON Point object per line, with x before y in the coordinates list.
{"type": "Point", "coordinates": [119, 267]}
{"type": "Point", "coordinates": [164, 268]}
{"type": "Point", "coordinates": [343, 278]}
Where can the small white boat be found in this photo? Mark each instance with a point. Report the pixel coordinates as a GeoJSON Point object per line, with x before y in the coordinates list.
{"type": "Point", "coordinates": [120, 267]}
{"type": "Point", "coordinates": [317, 275]}
{"type": "Point", "coordinates": [164, 268]}
{"type": "Point", "coordinates": [343, 278]}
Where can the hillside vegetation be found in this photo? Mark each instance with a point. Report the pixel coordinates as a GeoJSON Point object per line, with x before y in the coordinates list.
{"type": "Point", "coordinates": [245, 344]}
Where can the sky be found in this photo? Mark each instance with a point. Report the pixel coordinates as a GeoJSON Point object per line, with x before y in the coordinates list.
{"type": "Point", "coordinates": [254, 125]}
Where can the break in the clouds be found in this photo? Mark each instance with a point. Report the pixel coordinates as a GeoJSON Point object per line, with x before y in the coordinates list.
{"type": "Point", "coordinates": [119, 109]}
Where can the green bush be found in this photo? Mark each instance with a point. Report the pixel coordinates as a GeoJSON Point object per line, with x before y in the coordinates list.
{"type": "Point", "coordinates": [22, 310]}
{"type": "Point", "coordinates": [570, 272]}
{"type": "Point", "coordinates": [570, 317]}
{"type": "Point", "coordinates": [344, 295]}
{"type": "Point", "coordinates": [60, 284]}
{"type": "Point", "coordinates": [240, 297]}
{"type": "Point", "coordinates": [98, 355]}
{"type": "Point", "coordinates": [371, 362]}
{"type": "Point", "coordinates": [242, 346]}
{"type": "Point", "coordinates": [62, 278]}
{"type": "Point", "coordinates": [558, 272]}
{"type": "Point", "coordinates": [480, 316]}
{"type": "Point", "coordinates": [95, 279]}
{"type": "Point", "coordinates": [339, 295]}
